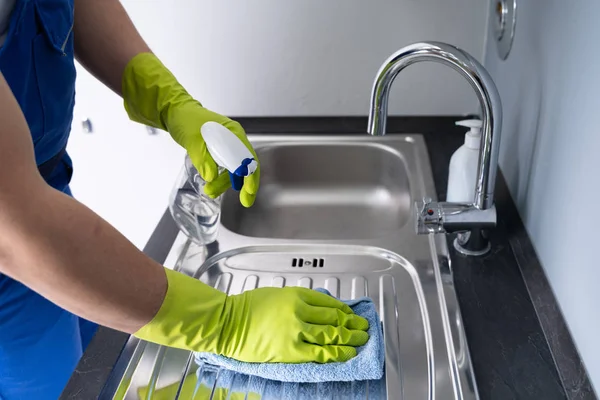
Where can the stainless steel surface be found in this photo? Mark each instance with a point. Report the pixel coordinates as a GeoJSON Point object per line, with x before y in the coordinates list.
{"type": "Point", "coordinates": [325, 189]}
{"type": "Point", "coordinates": [446, 217]}
{"type": "Point", "coordinates": [504, 20]}
{"type": "Point", "coordinates": [407, 275]}
{"type": "Point", "coordinates": [491, 108]}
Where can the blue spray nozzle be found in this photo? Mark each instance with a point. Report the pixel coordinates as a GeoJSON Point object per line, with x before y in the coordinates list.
{"type": "Point", "coordinates": [236, 181]}
{"type": "Point", "coordinates": [237, 177]}
{"type": "Point", "coordinates": [242, 170]}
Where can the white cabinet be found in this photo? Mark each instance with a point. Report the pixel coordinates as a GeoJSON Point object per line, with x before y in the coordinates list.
{"type": "Point", "coordinates": [121, 171]}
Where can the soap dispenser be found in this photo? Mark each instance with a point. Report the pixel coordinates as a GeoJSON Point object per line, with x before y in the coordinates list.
{"type": "Point", "coordinates": [463, 165]}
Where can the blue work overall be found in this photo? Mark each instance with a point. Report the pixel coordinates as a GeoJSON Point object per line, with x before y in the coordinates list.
{"type": "Point", "coordinates": [40, 343]}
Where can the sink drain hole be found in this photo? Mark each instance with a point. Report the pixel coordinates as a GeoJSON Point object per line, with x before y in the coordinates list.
{"type": "Point", "coordinates": [301, 262]}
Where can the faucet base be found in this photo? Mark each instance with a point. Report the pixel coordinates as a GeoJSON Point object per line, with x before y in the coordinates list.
{"type": "Point", "coordinates": [473, 243]}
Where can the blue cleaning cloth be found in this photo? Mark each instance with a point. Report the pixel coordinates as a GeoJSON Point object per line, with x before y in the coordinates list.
{"type": "Point", "coordinates": [238, 385]}
{"type": "Point", "coordinates": [367, 365]}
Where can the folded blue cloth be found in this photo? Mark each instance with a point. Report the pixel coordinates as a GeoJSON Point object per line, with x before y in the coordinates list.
{"type": "Point", "coordinates": [254, 388]}
{"type": "Point", "coordinates": [367, 365]}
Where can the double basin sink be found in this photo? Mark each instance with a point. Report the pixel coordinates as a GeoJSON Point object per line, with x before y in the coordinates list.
{"type": "Point", "coordinates": [334, 212]}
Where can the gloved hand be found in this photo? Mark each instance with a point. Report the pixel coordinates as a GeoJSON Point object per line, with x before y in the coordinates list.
{"type": "Point", "coordinates": [152, 96]}
{"type": "Point", "coordinates": [291, 324]}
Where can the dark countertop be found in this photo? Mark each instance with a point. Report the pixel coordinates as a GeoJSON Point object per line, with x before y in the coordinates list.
{"type": "Point", "coordinates": [519, 343]}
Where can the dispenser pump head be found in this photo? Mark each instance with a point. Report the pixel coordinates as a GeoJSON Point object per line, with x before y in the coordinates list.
{"type": "Point", "coordinates": [473, 136]}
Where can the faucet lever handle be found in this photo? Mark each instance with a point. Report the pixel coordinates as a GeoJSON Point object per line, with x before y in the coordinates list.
{"type": "Point", "coordinates": [424, 202]}
{"type": "Point", "coordinates": [429, 217]}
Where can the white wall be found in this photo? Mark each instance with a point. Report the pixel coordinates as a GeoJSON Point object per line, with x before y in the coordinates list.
{"type": "Point", "coordinates": [120, 171]}
{"type": "Point", "coordinates": [310, 57]}
{"type": "Point", "coordinates": [550, 87]}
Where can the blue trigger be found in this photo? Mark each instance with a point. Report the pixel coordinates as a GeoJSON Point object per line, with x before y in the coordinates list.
{"type": "Point", "coordinates": [237, 177]}
{"type": "Point", "coordinates": [236, 181]}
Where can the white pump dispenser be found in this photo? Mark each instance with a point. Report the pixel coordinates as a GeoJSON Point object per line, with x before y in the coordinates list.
{"type": "Point", "coordinates": [463, 165]}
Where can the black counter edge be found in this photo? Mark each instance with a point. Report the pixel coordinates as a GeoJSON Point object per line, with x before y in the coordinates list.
{"type": "Point", "coordinates": [442, 139]}
{"type": "Point", "coordinates": [346, 124]}
{"type": "Point", "coordinates": [570, 367]}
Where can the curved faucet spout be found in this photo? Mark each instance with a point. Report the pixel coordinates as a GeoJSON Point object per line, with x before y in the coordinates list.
{"type": "Point", "coordinates": [470, 220]}
{"type": "Point", "coordinates": [480, 81]}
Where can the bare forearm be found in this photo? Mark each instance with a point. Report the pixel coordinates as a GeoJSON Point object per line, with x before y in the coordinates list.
{"type": "Point", "coordinates": [105, 40]}
{"type": "Point", "coordinates": [68, 254]}
{"type": "Point", "coordinates": [61, 249]}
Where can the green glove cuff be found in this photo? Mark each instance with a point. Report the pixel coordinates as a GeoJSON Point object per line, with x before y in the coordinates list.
{"type": "Point", "coordinates": [150, 89]}
{"type": "Point", "coordinates": [190, 317]}
{"type": "Point", "coordinates": [152, 96]}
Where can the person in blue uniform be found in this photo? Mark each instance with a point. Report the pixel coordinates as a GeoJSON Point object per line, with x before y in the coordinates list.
{"type": "Point", "coordinates": [63, 270]}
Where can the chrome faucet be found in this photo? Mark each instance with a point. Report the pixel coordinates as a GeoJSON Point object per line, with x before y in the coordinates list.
{"type": "Point", "coordinates": [470, 220]}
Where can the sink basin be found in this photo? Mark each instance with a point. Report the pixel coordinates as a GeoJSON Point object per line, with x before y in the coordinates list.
{"type": "Point", "coordinates": [326, 190]}
{"type": "Point", "coordinates": [332, 212]}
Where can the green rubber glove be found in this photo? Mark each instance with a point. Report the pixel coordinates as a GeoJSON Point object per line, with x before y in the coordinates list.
{"type": "Point", "coordinates": [152, 96]}
{"type": "Point", "coordinates": [290, 325]}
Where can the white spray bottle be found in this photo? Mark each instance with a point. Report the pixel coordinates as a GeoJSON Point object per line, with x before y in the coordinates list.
{"type": "Point", "coordinates": [229, 152]}
{"type": "Point", "coordinates": [463, 165]}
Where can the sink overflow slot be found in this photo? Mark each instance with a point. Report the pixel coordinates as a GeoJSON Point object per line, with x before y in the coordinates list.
{"type": "Point", "coordinates": [301, 262]}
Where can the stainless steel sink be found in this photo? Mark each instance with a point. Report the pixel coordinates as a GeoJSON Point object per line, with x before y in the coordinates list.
{"type": "Point", "coordinates": [333, 212]}
{"type": "Point", "coordinates": [319, 189]}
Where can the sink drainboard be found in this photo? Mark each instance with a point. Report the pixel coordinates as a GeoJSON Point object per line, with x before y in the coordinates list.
{"type": "Point", "coordinates": [348, 272]}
